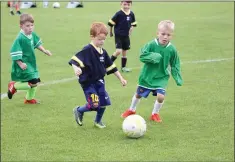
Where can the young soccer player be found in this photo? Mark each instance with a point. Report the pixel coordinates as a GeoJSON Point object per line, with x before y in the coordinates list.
{"type": "Point", "coordinates": [16, 4]}
{"type": "Point", "coordinates": [24, 73]}
{"type": "Point", "coordinates": [123, 22]}
{"type": "Point", "coordinates": [91, 64]}
{"type": "Point", "coordinates": [160, 58]}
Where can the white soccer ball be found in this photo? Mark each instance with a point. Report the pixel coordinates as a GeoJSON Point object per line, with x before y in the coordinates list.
{"type": "Point", "coordinates": [56, 5]}
{"type": "Point", "coordinates": [134, 126]}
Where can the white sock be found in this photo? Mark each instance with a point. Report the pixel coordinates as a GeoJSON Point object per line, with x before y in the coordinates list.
{"type": "Point", "coordinates": [134, 103]}
{"type": "Point", "coordinates": [157, 107]}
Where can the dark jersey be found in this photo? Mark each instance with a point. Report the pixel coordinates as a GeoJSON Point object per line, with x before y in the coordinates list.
{"type": "Point", "coordinates": [95, 64]}
{"type": "Point", "coordinates": [122, 22]}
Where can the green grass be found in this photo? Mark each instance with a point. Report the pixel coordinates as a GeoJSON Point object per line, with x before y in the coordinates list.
{"type": "Point", "coordinates": [198, 118]}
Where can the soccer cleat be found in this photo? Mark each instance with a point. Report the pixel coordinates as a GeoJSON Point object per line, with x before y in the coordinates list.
{"type": "Point", "coordinates": [11, 90]}
{"type": "Point", "coordinates": [12, 13]}
{"type": "Point", "coordinates": [99, 125]}
{"type": "Point", "coordinates": [78, 116]}
{"type": "Point", "coordinates": [18, 13]}
{"type": "Point", "coordinates": [156, 118]}
{"type": "Point", "coordinates": [33, 101]}
{"type": "Point", "coordinates": [127, 113]}
{"type": "Point", "coordinates": [125, 69]}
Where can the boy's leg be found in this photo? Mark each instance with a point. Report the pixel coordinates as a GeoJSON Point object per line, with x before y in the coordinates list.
{"type": "Point", "coordinates": [17, 6]}
{"type": "Point", "coordinates": [14, 86]}
{"type": "Point", "coordinates": [125, 47]}
{"type": "Point", "coordinates": [104, 100]}
{"type": "Point", "coordinates": [116, 54]}
{"type": "Point", "coordinates": [158, 105]}
{"type": "Point", "coordinates": [92, 104]}
{"type": "Point", "coordinates": [11, 7]}
{"type": "Point", "coordinates": [99, 115]}
{"type": "Point", "coordinates": [141, 92]}
{"type": "Point", "coordinates": [79, 112]}
{"type": "Point", "coordinates": [124, 61]}
{"type": "Point", "coordinates": [118, 46]}
{"type": "Point", "coordinates": [30, 95]}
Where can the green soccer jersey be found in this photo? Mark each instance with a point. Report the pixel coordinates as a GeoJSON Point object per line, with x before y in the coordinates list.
{"type": "Point", "coordinates": [23, 49]}
{"type": "Point", "coordinates": [159, 62]}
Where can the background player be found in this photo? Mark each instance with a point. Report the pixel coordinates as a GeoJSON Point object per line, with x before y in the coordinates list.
{"type": "Point", "coordinates": [24, 74]}
{"type": "Point", "coordinates": [16, 4]}
{"type": "Point", "coordinates": [123, 22]}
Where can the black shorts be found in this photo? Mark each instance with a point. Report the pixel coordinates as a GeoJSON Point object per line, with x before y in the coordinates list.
{"type": "Point", "coordinates": [34, 81]}
{"type": "Point", "coordinates": [122, 42]}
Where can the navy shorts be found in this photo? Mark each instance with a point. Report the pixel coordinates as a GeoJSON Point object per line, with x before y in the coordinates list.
{"type": "Point", "coordinates": [144, 92]}
{"type": "Point", "coordinates": [96, 95]}
{"type": "Point", "coordinates": [122, 42]}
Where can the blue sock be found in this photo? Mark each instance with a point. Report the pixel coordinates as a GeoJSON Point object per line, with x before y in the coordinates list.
{"type": "Point", "coordinates": [83, 109]}
{"type": "Point", "coordinates": [99, 114]}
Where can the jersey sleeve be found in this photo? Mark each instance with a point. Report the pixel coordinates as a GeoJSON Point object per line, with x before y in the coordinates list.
{"type": "Point", "coordinates": [146, 56]}
{"type": "Point", "coordinates": [16, 50]}
{"type": "Point", "coordinates": [36, 40]}
{"type": "Point", "coordinates": [133, 23]}
{"type": "Point", "coordinates": [112, 22]}
{"type": "Point", "coordinates": [78, 59]}
{"type": "Point", "coordinates": [109, 65]}
{"type": "Point", "coordinates": [176, 69]}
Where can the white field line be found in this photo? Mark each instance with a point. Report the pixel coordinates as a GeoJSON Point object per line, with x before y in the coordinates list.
{"type": "Point", "coordinates": [4, 95]}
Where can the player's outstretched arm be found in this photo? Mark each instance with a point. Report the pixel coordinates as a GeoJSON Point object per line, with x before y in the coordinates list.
{"type": "Point", "coordinates": [119, 76]}
{"type": "Point", "coordinates": [47, 52]}
{"type": "Point", "coordinates": [176, 69]}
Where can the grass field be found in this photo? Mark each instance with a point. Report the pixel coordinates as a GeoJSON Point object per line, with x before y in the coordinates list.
{"type": "Point", "coordinates": [198, 118]}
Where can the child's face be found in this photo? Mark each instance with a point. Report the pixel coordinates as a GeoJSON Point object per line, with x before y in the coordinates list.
{"type": "Point", "coordinates": [99, 40]}
{"type": "Point", "coordinates": [125, 5]}
{"type": "Point", "coordinates": [27, 27]}
{"type": "Point", "coordinates": [164, 36]}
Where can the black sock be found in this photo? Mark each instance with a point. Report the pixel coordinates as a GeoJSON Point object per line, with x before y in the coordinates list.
{"type": "Point", "coordinates": [113, 58]}
{"type": "Point", "coordinates": [124, 60]}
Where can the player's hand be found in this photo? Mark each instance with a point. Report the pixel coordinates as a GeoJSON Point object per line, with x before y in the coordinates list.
{"type": "Point", "coordinates": [111, 34]}
{"type": "Point", "coordinates": [77, 70]}
{"type": "Point", "coordinates": [130, 31]}
{"type": "Point", "coordinates": [23, 66]}
{"type": "Point", "coordinates": [124, 82]}
{"type": "Point", "coordinates": [47, 52]}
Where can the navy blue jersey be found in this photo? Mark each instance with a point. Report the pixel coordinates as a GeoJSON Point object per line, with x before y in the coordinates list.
{"type": "Point", "coordinates": [122, 22]}
{"type": "Point", "coordinates": [94, 62]}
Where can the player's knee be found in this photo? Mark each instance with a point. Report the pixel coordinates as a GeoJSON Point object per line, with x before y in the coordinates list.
{"type": "Point", "coordinates": [137, 96]}
{"type": "Point", "coordinates": [160, 98]}
{"type": "Point", "coordinates": [95, 105]}
{"type": "Point", "coordinates": [118, 52]}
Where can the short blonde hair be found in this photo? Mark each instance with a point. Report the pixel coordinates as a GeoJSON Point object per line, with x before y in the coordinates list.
{"type": "Point", "coordinates": [166, 24]}
{"type": "Point", "coordinates": [98, 28]}
{"type": "Point", "coordinates": [26, 18]}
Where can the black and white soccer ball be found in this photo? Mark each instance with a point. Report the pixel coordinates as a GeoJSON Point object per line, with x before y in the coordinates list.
{"type": "Point", "coordinates": [56, 5]}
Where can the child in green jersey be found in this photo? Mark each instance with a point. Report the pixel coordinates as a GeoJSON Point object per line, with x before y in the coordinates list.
{"type": "Point", "coordinates": [24, 73]}
{"type": "Point", "coordinates": [160, 59]}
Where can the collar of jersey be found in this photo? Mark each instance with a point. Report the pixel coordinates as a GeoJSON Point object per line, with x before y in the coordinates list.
{"type": "Point", "coordinates": [98, 49]}
{"type": "Point", "coordinates": [156, 40]}
{"type": "Point", "coordinates": [126, 12]}
{"type": "Point", "coordinates": [28, 36]}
